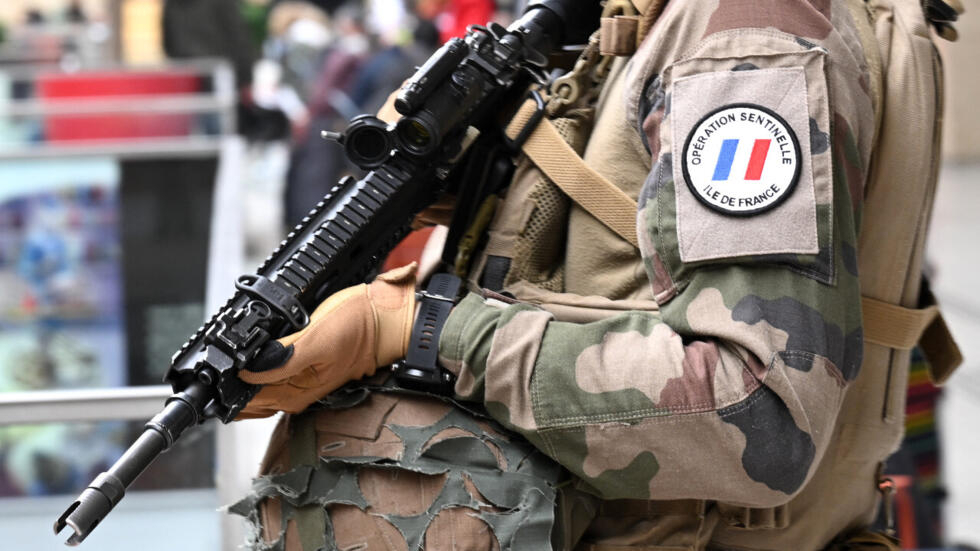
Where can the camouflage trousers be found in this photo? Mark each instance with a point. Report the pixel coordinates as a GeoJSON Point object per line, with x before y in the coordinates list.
{"type": "Point", "coordinates": [377, 469]}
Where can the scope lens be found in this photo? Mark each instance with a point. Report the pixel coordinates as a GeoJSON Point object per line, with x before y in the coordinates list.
{"type": "Point", "coordinates": [370, 144]}
{"type": "Point", "coordinates": [415, 135]}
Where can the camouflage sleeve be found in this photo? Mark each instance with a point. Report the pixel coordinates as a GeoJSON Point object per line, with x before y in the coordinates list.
{"type": "Point", "coordinates": [759, 127]}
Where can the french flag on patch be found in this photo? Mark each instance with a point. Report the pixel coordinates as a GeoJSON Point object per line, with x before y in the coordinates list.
{"type": "Point", "coordinates": [741, 159]}
{"type": "Point", "coordinates": [760, 150]}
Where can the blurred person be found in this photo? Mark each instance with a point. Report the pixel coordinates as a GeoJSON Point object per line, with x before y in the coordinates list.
{"type": "Point", "coordinates": [330, 97]}
{"type": "Point", "coordinates": [395, 62]}
{"type": "Point", "coordinates": [386, 20]}
{"type": "Point", "coordinates": [275, 113]}
{"type": "Point", "coordinates": [299, 37]}
{"type": "Point", "coordinates": [282, 15]}
{"type": "Point", "coordinates": [212, 28]}
{"type": "Point", "coordinates": [328, 6]}
{"type": "Point", "coordinates": [315, 165]}
{"type": "Point", "coordinates": [268, 92]}
{"type": "Point", "coordinates": [453, 16]}
{"type": "Point", "coordinates": [34, 17]}
{"type": "Point", "coordinates": [75, 13]}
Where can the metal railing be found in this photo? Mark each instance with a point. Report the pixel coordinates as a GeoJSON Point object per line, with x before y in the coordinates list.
{"type": "Point", "coordinates": [239, 445]}
{"type": "Point", "coordinates": [216, 100]}
{"type": "Point", "coordinates": [96, 404]}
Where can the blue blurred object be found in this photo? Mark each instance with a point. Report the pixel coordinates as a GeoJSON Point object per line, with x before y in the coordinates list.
{"type": "Point", "coordinates": [61, 322]}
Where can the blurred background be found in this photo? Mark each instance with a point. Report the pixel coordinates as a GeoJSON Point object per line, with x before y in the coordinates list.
{"type": "Point", "coordinates": [153, 150]}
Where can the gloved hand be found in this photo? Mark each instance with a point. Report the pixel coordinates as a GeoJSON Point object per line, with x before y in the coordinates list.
{"type": "Point", "coordinates": [349, 335]}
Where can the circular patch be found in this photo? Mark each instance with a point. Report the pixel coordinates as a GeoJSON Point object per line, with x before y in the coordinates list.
{"type": "Point", "coordinates": [741, 159]}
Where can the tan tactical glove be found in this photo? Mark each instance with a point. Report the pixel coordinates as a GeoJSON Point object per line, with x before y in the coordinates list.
{"type": "Point", "coordinates": [349, 335]}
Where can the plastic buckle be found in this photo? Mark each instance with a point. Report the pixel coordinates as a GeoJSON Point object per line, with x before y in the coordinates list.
{"type": "Point", "coordinates": [517, 143]}
{"type": "Point", "coordinates": [279, 299]}
{"type": "Point", "coordinates": [887, 488]}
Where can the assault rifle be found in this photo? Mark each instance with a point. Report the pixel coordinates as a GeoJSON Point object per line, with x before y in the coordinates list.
{"type": "Point", "coordinates": [464, 85]}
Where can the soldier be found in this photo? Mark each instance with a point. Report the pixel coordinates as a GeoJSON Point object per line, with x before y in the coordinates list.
{"type": "Point", "coordinates": [689, 374]}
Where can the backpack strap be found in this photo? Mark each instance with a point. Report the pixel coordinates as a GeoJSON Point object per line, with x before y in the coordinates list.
{"type": "Point", "coordinates": [903, 173]}
{"type": "Point", "coordinates": [864, 18]}
{"type": "Point", "coordinates": [903, 328]}
{"type": "Point", "coordinates": [895, 326]}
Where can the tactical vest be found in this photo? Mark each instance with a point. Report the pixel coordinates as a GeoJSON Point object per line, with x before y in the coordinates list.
{"type": "Point", "coordinates": [552, 235]}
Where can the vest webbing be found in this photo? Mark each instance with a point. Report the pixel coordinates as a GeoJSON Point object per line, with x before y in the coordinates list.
{"type": "Point", "coordinates": [563, 166]}
{"type": "Point", "coordinates": [884, 323]}
{"type": "Point", "coordinates": [311, 521]}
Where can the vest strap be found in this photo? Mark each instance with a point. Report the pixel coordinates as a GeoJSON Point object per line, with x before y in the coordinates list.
{"type": "Point", "coordinates": [895, 326]}
{"type": "Point", "coordinates": [563, 166]}
{"type": "Point", "coordinates": [903, 328]}
{"type": "Point", "coordinates": [311, 521]}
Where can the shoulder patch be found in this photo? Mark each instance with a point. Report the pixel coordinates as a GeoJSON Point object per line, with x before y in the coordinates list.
{"type": "Point", "coordinates": [744, 184]}
{"type": "Point", "coordinates": [741, 159]}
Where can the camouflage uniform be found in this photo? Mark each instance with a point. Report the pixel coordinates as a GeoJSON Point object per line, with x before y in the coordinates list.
{"type": "Point", "coordinates": [700, 406]}
{"type": "Point", "coordinates": [732, 387]}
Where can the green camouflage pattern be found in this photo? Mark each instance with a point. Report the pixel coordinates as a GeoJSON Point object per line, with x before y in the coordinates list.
{"type": "Point", "coordinates": [380, 468]}
{"type": "Point", "coordinates": [731, 391]}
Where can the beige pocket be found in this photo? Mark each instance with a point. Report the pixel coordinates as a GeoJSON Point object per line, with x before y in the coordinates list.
{"type": "Point", "coordinates": [734, 198]}
{"type": "Point", "coordinates": [775, 92]}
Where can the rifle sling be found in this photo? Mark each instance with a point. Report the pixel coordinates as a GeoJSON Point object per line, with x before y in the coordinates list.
{"type": "Point", "coordinates": [559, 162]}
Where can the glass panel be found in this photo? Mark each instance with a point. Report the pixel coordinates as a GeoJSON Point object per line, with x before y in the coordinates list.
{"type": "Point", "coordinates": [62, 458]}
{"type": "Point", "coordinates": [61, 323]}
{"type": "Point", "coordinates": [79, 239]}
{"type": "Point", "coordinates": [43, 468]}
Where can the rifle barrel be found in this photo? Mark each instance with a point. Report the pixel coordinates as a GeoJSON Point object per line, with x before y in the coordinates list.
{"type": "Point", "coordinates": [95, 502]}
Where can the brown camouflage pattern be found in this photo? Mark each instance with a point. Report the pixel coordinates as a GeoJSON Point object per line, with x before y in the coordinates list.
{"type": "Point", "coordinates": [384, 470]}
{"type": "Point", "coordinates": [731, 392]}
